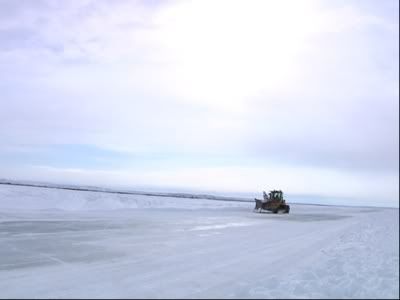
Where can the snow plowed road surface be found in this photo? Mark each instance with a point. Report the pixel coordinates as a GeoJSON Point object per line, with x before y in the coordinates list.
{"type": "Point", "coordinates": [146, 247]}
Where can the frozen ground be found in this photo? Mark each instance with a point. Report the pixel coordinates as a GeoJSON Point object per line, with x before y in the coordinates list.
{"type": "Point", "coordinates": [63, 244]}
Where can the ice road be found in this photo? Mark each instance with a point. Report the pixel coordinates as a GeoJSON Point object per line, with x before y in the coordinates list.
{"type": "Point", "coordinates": [70, 244]}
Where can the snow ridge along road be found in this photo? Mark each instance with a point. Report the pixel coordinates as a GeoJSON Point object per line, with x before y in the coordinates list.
{"type": "Point", "coordinates": [81, 244]}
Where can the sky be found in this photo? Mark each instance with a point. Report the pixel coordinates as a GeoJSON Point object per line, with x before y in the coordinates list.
{"type": "Point", "coordinates": [228, 96]}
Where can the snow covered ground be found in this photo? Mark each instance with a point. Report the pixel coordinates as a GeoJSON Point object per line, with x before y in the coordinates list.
{"type": "Point", "coordinates": [60, 244]}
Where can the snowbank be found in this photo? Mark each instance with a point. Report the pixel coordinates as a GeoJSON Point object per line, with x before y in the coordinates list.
{"type": "Point", "coordinates": [14, 197]}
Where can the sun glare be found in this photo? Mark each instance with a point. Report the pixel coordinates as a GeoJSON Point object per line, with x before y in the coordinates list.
{"type": "Point", "coordinates": [227, 51]}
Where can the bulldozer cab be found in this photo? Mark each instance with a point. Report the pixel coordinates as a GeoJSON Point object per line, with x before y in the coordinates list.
{"type": "Point", "coordinates": [276, 195]}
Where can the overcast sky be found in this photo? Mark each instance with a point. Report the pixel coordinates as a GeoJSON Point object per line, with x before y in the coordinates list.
{"type": "Point", "coordinates": [238, 96]}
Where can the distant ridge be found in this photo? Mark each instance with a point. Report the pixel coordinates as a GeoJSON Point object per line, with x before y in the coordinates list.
{"type": "Point", "coordinates": [125, 192]}
{"type": "Point", "coordinates": [294, 199]}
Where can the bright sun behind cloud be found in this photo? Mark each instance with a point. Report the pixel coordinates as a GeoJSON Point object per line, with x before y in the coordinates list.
{"type": "Point", "coordinates": [226, 51]}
